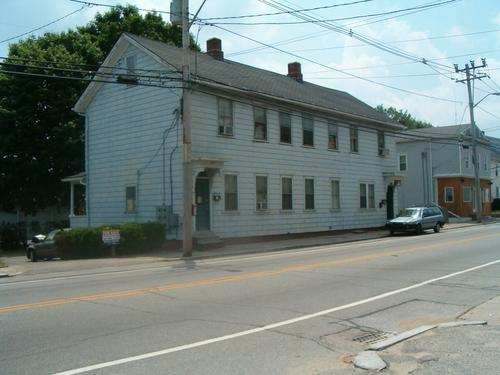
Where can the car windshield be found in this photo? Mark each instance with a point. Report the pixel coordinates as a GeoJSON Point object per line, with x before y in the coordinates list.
{"type": "Point", "coordinates": [52, 234]}
{"type": "Point", "coordinates": [411, 212]}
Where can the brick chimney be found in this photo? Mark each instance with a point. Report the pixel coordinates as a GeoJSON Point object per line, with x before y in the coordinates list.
{"type": "Point", "coordinates": [295, 71]}
{"type": "Point", "coordinates": [214, 48]}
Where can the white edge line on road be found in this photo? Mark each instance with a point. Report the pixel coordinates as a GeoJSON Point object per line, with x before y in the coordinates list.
{"type": "Point", "coordinates": [121, 361]}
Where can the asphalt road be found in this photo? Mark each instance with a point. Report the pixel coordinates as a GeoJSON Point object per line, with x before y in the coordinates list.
{"type": "Point", "coordinates": [293, 312]}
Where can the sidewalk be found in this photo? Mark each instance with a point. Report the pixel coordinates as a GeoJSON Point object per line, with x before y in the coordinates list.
{"type": "Point", "coordinates": [17, 264]}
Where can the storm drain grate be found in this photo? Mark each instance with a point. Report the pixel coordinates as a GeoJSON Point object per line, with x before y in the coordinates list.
{"type": "Point", "coordinates": [373, 337]}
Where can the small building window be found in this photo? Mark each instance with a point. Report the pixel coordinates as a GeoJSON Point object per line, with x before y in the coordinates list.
{"type": "Point", "coordinates": [261, 192]}
{"type": "Point", "coordinates": [307, 130]}
{"type": "Point", "coordinates": [353, 132]}
{"type": "Point", "coordinates": [286, 193]}
{"type": "Point", "coordinates": [130, 199]}
{"type": "Point", "coordinates": [467, 194]}
{"type": "Point", "coordinates": [260, 123]}
{"type": "Point", "coordinates": [485, 195]}
{"type": "Point", "coordinates": [366, 196]}
{"type": "Point", "coordinates": [485, 163]}
{"type": "Point", "coordinates": [497, 191]}
{"type": "Point", "coordinates": [131, 62]}
{"type": "Point", "coordinates": [225, 116]}
{"type": "Point", "coordinates": [449, 194]}
{"type": "Point", "coordinates": [335, 194]}
{"type": "Point", "coordinates": [230, 192]}
{"type": "Point", "coordinates": [332, 136]}
{"type": "Point", "coordinates": [467, 158]}
{"type": "Point", "coordinates": [382, 151]}
{"type": "Point", "coordinates": [403, 163]}
{"type": "Point", "coordinates": [285, 128]}
{"type": "Point", "coordinates": [309, 194]}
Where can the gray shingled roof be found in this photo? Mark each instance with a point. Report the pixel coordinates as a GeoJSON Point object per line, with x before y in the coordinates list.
{"type": "Point", "coordinates": [245, 77]}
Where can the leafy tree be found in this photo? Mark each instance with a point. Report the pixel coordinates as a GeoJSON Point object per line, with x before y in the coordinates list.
{"type": "Point", "coordinates": [403, 117]}
{"type": "Point", "coordinates": [41, 138]}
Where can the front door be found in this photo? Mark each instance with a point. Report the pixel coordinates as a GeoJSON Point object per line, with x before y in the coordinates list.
{"type": "Point", "coordinates": [390, 202]}
{"type": "Point", "coordinates": [202, 193]}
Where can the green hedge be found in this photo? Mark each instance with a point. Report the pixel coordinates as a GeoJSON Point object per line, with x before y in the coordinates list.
{"type": "Point", "coordinates": [495, 205]}
{"type": "Point", "coordinates": [87, 242]}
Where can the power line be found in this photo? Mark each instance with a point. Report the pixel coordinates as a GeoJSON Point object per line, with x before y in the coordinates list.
{"type": "Point", "coordinates": [43, 26]}
{"type": "Point", "coordinates": [421, 7]}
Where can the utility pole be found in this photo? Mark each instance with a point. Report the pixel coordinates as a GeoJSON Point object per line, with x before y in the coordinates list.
{"type": "Point", "coordinates": [179, 15]}
{"type": "Point", "coordinates": [470, 77]}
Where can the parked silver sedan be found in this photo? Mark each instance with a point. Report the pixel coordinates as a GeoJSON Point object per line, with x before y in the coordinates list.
{"type": "Point", "coordinates": [417, 219]}
{"type": "Point", "coordinates": [43, 247]}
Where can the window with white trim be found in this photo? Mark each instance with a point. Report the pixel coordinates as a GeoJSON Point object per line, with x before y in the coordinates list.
{"type": "Point", "coordinates": [366, 195]}
{"type": "Point", "coordinates": [381, 143]}
{"type": "Point", "coordinates": [335, 186]}
{"type": "Point", "coordinates": [261, 192]}
{"type": "Point", "coordinates": [467, 193]}
{"type": "Point", "coordinates": [402, 162]}
{"type": "Point", "coordinates": [230, 192]}
{"type": "Point", "coordinates": [354, 141]}
{"type": "Point", "coordinates": [225, 114]}
{"type": "Point", "coordinates": [309, 194]}
{"type": "Point", "coordinates": [285, 128]}
{"type": "Point", "coordinates": [130, 199]}
{"type": "Point", "coordinates": [260, 123]}
{"type": "Point", "coordinates": [449, 194]}
{"type": "Point", "coordinates": [286, 193]}
{"type": "Point", "coordinates": [307, 130]}
{"type": "Point", "coordinates": [332, 136]}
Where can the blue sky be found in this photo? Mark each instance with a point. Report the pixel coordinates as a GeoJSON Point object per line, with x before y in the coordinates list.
{"type": "Point", "coordinates": [448, 34]}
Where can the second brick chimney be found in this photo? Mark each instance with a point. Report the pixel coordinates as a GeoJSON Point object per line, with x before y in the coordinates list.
{"type": "Point", "coordinates": [295, 71]}
{"type": "Point", "coordinates": [214, 48]}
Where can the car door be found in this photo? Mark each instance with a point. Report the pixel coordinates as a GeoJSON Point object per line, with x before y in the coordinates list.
{"type": "Point", "coordinates": [427, 219]}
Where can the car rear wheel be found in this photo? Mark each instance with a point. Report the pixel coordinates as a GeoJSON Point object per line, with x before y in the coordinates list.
{"type": "Point", "coordinates": [437, 228]}
{"type": "Point", "coordinates": [32, 256]}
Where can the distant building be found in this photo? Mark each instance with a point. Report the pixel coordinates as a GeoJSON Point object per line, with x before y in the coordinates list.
{"type": "Point", "coordinates": [272, 154]}
{"type": "Point", "coordinates": [438, 167]}
{"type": "Point", "coordinates": [495, 167]}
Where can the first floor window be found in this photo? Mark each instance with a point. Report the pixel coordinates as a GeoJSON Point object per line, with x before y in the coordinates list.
{"type": "Point", "coordinates": [449, 194]}
{"type": "Point", "coordinates": [366, 196]}
{"type": "Point", "coordinates": [286, 193]}
{"type": "Point", "coordinates": [130, 199]}
{"type": "Point", "coordinates": [309, 194]}
{"type": "Point", "coordinates": [467, 194]}
{"type": "Point", "coordinates": [261, 192]}
{"type": "Point", "coordinates": [485, 192]}
{"type": "Point", "coordinates": [335, 194]}
{"type": "Point", "coordinates": [230, 192]}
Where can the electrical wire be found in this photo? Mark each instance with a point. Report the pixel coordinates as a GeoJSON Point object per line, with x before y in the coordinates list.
{"type": "Point", "coordinates": [44, 26]}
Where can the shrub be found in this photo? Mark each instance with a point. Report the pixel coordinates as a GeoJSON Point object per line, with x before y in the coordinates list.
{"type": "Point", "coordinates": [87, 242]}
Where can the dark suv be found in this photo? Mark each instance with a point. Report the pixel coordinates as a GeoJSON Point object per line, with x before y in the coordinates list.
{"type": "Point", "coordinates": [417, 219]}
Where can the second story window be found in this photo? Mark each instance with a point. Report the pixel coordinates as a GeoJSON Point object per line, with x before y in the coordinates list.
{"type": "Point", "coordinates": [353, 132]}
{"type": "Point", "coordinates": [403, 166]}
{"type": "Point", "coordinates": [285, 128]}
{"type": "Point", "coordinates": [225, 116]}
{"type": "Point", "coordinates": [307, 130]}
{"type": "Point", "coordinates": [332, 136]}
{"type": "Point", "coordinates": [260, 123]}
{"type": "Point", "coordinates": [467, 158]}
{"type": "Point", "coordinates": [382, 151]}
{"type": "Point", "coordinates": [261, 192]}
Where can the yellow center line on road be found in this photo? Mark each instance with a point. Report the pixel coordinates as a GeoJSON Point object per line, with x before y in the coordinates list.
{"type": "Point", "coordinates": [233, 278]}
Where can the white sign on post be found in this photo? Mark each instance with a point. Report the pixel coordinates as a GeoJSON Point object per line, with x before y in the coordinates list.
{"type": "Point", "coordinates": [111, 236]}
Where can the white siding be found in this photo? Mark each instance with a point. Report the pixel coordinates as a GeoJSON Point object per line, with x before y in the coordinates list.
{"type": "Point", "coordinates": [125, 130]}
{"type": "Point", "coordinates": [248, 158]}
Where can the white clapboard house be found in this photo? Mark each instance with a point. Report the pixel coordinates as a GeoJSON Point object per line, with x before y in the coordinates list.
{"type": "Point", "coordinates": [272, 153]}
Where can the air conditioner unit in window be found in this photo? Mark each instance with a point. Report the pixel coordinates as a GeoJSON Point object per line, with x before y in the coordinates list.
{"type": "Point", "coordinates": [383, 151]}
{"type": "Point", "coordinates": [226, 130]}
